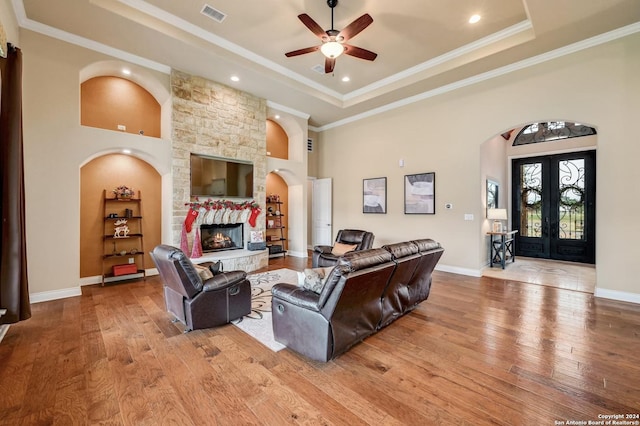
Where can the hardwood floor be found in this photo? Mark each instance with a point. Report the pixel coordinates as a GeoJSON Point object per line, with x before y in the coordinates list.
{"type": "Point", "coordinates": [478, 351]}
{"type": "Point", "coordinates": [567, 275]}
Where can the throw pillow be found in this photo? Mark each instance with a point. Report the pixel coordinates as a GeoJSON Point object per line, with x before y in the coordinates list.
{"type": "Point", "coordinates": [314, 279]}
{"type": "Point", "coordinates": [203, 272]}
{"type": "Point", "coordinates": [339, 249]}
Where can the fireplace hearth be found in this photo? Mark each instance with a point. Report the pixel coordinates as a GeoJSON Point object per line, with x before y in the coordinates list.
{"type": "Point", "coordinates": [221, 237]}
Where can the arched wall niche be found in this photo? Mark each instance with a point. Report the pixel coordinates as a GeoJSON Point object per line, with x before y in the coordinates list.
{"type": "Point", "coordinates": [104, 172]}
{"type": "Point", "coordinates": [156, 83]}
{"type": "Point", "coordinates": [277, 141]}
{"type": "Point", "coordinates": [115, 103]}
{"type": "Point", "coordinates": [294, 173]}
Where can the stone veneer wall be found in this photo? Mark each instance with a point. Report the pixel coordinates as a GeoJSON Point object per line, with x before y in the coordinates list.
{"type": "Point", "coordinates": [213, 119]}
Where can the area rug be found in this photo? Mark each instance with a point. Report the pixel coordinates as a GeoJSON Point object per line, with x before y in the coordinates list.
{"type": "Point", "coordinates": [258, 323]}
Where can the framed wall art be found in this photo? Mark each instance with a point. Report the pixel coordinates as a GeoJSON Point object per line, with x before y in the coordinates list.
{"type": "Point", "coordinates": [493, 191]}
{"type": "Point", "coordinates": [374, 195]}
{"type": "Point", "coordinates": [420, 193]}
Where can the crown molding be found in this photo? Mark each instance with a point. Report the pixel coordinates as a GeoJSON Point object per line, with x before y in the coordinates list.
{"type": "Point", "coordinates": [507, 69]}
{"type": "Point", "coordinates": [29, 24]}
{"type": "Point", "coordinates": [144, 7]}
{"type": "Point", "coordinates": [288, 110]}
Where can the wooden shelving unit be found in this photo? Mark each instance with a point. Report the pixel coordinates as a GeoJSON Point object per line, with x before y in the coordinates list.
{"type": "Point", "coordinates": [123, 250]}
{"type": "Point", "coordinates": [276, 241]}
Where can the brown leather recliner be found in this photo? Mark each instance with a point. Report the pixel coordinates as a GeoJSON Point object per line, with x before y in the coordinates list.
{"type": "Point", "coordinates": [200, 304]}
{"type": "Point", "coordinates": [322, 256]}
{"type": "Point", "coordinates": [366, 291]}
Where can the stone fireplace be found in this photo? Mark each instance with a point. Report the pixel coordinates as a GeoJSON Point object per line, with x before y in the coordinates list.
{"type": "Point", "coordinates": [221, 237]}
{"type": "Point", "coordinates": [212, 119]}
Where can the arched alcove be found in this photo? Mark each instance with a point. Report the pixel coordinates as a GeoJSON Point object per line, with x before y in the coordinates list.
{"type": "Point", "coordinates": [497, 155]}
{"type": "Point", "coordinates": [107, 172]}
{"type": "Point", "coordinates": [115, 103]}
{"type": "Point", "coordinates": [156, 84]}
{"type": "Point", "coordinates": [277, 141]}
{"type": "Point", "coordinates": [293, 171]}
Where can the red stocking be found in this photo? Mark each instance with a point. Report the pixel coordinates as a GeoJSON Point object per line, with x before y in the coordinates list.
{"type": "Point", "coordinates": [191, 216]}
{"type": "Point", "coordinates": [254, 215]}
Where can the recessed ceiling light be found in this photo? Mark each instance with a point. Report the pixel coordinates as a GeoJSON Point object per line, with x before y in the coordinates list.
{"type": "Point", "coordinates": [277, 117]}
{"type": "Point", "coordinates": [346, 79]}
{"type": "Point", "coordinates": [126, 71]}
{"type": "Point", "coordinates": [126, 151]}
{"type": "Point", "coordinates": [235, 78]}
{"type": "Point", "coordinates": [474, 19]}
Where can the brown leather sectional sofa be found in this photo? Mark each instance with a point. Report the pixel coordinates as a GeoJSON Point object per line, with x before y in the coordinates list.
{"type": "Point", "coordinates": [366, 291]}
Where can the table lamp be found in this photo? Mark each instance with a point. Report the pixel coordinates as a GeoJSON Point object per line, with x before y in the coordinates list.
{"type": "Point", "coordinates": [497, 215]}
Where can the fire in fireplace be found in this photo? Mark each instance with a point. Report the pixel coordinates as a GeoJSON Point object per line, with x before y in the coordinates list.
{"type": "Point", "coordinates": [221, 237]}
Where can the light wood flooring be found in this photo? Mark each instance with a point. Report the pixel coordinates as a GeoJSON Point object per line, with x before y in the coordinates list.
{"type": "Point", "coordinates": [567, 275]}
{"type": "Point", "coordinates": [478, 351]}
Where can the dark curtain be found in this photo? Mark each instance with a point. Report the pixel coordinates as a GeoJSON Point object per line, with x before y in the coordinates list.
{"type": "Point", "coordinates": [14, 289]}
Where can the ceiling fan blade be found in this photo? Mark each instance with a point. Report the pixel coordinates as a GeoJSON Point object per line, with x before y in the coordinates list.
{"type": "Point", "coordinates": [329, 63]}
{"type": "Point", "coordinates": [302, 51]}
{"type": "Point", "coordinates": [313, 26]}
{"type": "Point", "coordinates": [355, 27]}
{"type": "Point", "coordinates": [359, 52]}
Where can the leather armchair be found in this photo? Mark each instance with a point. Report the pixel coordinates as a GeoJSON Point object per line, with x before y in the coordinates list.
{"type": "Point", "coordinates": [322, 256]}
{"type": "Point", "coordinates": [196, 303]}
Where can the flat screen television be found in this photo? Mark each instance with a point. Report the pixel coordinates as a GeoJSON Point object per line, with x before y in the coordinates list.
{"type": "Point", "coordinates": [217, 177]}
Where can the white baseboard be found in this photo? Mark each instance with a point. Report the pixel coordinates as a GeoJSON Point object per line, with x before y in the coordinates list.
{"type": "Point", "coordinates": [297, 254]}
{"type": "Point", "coordinates": [97, 279]}
{"type": "Point", "coordinates": [621, 296]}
{"type": "Point", "coordinates": [45, 296]}
{"type": "Point", "coordinates": [460, 271]}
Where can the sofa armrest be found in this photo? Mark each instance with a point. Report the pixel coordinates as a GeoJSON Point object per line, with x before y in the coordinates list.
{"type": "Point", "coordinates": [296, 295]}
{"type": "Point", "coordinates": [323, 249]}
{"type": "Point", "coordinates": [224, 280]}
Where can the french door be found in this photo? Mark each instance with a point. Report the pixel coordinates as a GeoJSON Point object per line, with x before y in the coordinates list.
{"type": "Point", "coordinates": [553, 206]}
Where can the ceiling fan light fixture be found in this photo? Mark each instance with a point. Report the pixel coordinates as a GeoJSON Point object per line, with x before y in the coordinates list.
{"type": "Point", "coordinates": [332, 49]}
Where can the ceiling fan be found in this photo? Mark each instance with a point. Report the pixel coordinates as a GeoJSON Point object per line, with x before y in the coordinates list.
{"type": "Point", "coordinates": [334, 41]}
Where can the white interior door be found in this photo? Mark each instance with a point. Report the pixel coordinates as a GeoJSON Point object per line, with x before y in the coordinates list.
{"type": "Point", "coordinates": [321, 212]}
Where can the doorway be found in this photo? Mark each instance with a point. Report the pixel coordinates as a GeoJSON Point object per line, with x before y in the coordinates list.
{"type": "Point", "coordinates": [553, 206]}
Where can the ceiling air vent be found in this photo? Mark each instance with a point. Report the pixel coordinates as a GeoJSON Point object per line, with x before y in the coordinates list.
{"type": "Point", "coordinates": [212, 13]}
{"type": "Point", "coordinates": [318, 68]}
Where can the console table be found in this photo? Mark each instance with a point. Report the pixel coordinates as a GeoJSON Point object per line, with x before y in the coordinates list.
{"type": "Point", "coordinates": [501, 246]}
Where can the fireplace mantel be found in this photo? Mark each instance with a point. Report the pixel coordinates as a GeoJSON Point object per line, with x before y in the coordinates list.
{"type": "Point", "coordinates": [233, 260]}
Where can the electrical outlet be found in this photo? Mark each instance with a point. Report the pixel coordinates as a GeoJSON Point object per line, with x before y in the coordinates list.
{"type": "Point", "coordinates": [132, 260]}
{"type": "Point", "coordinates": [122, 127]}
{"type": "Point", "coordinates": [468, 216]}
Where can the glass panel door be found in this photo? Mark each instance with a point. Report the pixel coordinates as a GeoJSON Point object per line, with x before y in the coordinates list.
{"type": "Point", "coordinates": [554, 206]}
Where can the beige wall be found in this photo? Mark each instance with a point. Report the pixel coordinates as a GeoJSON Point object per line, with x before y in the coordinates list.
{"type": "Point", "coordinates": [312, 162]}
{"type": "Point", "coordinates": [493, 167]}
{"type": "Point", "coordinates": [443, 134]}
{"type": "Point", "coordinates": [597, 86]}
{"type": "Point", "coordinates": [56, 146]}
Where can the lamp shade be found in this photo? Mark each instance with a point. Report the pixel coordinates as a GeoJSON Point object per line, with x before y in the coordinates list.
{"type": "Point", "coordinates": [497, 214]}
